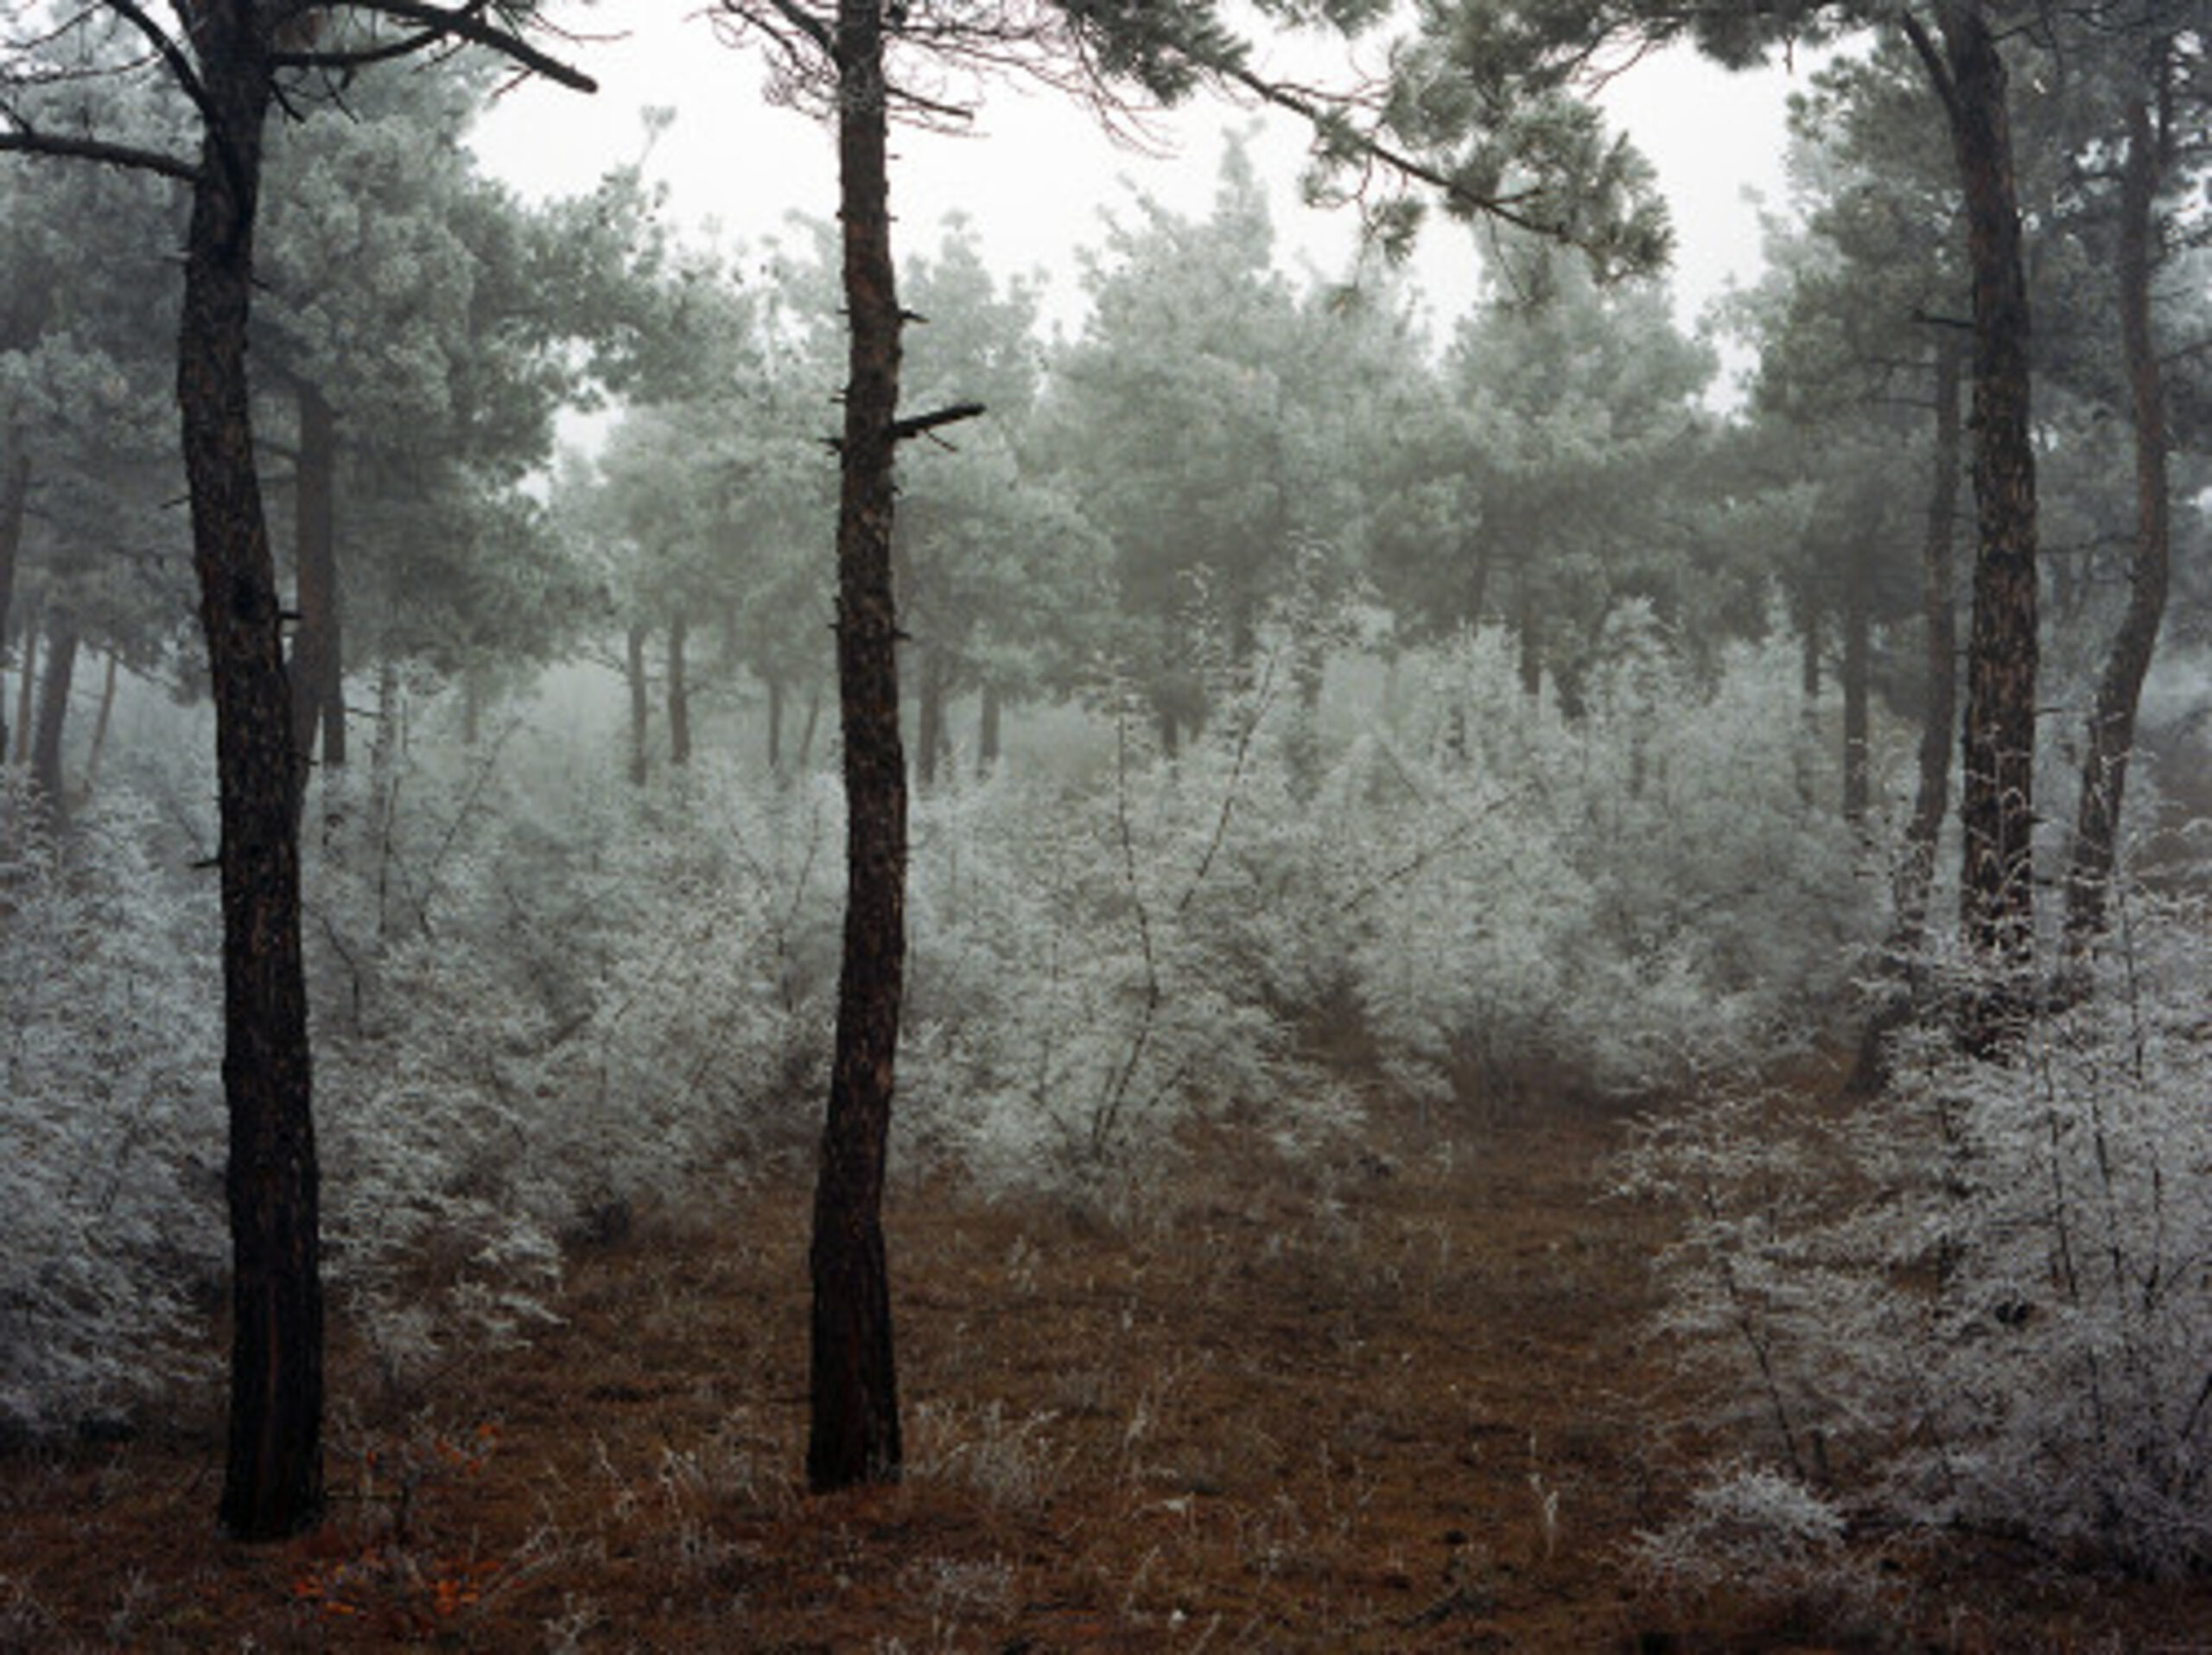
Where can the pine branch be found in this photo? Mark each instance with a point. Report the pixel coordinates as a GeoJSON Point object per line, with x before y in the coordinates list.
{"type": "Point", "coordinates": [434, 24]}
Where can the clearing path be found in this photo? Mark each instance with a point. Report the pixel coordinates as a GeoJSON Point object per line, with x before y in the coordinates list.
{"type": "Point", "coordinates": [1399, 1396]}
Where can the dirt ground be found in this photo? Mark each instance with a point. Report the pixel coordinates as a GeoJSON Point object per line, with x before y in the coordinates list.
{"type": "Point", "coordinates": [1402, 1396]}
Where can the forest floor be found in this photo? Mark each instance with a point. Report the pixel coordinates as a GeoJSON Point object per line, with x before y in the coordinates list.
{"type": "Point", "coordinates": [1401, 1396]}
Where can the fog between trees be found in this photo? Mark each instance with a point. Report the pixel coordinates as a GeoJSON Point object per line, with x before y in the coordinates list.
{"type": "Point", "coordinates": [1265, 699]}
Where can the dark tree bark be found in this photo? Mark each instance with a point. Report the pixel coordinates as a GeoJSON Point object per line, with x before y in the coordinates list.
{"type": "Point", "coordinates": [2111, 722]}
{"type": "Point", "coordinates": [633, 670]}
{"type": "Point", "coordinates": [854, 1434]}
{"type": "Point", "coordinates": [775, 726]}
{"type": "Point", "coordinates": [989, 720]}
{"type": "Point", "coordinates": [1529, 635]}
{"type": "Point", "coordinates": [272, 1483]}
{"type": "Point", "coordinates": [62, 638]}
{"type": "Point", "coordinates": [1809, 653]}
{"type": "Point", "coordinates": [679, 692]}
{"type": "Point", "coordinates": [384, 786]}
{"type": "Point", "coordinates": [318, 667]}
{"type": "Point", "coordinates": [1996, 793]}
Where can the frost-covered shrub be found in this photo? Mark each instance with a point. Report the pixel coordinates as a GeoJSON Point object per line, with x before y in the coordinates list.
{"type": "Point", "coordinates": [542, 1006]}
{"type": "Point", "coordinates": [1636, 896]}
{"type": "Point", "coordinates": [1984, 1298]}
{"type": "Point", "coordinates": [111, 1118]}
{"type": "Point", "coordinates": [1083, 974]}
{"type": "Point", "coordinates": [1745, 1522]}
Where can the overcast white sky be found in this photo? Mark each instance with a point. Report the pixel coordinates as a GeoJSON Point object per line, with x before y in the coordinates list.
{"type": "Point", "coordinates": [1038, 172]}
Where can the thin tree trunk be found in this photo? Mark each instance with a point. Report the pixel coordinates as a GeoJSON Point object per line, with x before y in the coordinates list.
{"type": "Point", "coordinates": [62, 637]}
{"type": "Point", "coordinates": [1309, 676]}
{"type": "Point", "coordinates": [1809, 653]}
{"type": "Point", "coordinates": [853, 1431]}
{"type": "Point", "coordinates": [1939, 663]}
{"type": "Point", "coordinates": [2111, 724]}
{"type": "Point", "coordinates": [100, 725]}
{"type": "Point", "coordinates": [1858, 672]}
{"type": "Point", "coordinates": [27, 676]}
{"type": "Point", "coordinates": [633, 669]}
{"type": "Point", "coordinates": [987, 732]}
{"type": "Point", "coordinates": [1530, 640]}
{"type": "Point", "coordinates": [316, 669]}
{"type": "Point", "coordinates": [929, 717]}
{"type": "Point", "coordinates": [15, 496]}
{"type": "Point", "coordinates": [775, 726]}
{"type": "Point", "coordinates": [810, 724]}
{"type": "Point", "coordinates": [1997, 739]}
{"type": "Point", "coordinates": [273, 1482]}
{"type": "Point", "coordinates": [383, 787]}
{"type": "Point", "coordinates": [679, 693]}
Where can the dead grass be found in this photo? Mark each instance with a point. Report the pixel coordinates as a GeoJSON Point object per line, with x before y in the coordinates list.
{"type": "Point", "coordinates": [1401, 1398]}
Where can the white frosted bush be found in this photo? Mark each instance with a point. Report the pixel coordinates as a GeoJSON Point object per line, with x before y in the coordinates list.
{"type": "Point", "coordinates": [111, 1122]}
{"type": "Point", "coordinates": [1985, 1298]}
{"type": "Point", "coordinates": [1635, 897]}
{"type": "Point", "coordinates": [1080, 978]}
{"type": "Point", "coordinates": [1746, 1523]}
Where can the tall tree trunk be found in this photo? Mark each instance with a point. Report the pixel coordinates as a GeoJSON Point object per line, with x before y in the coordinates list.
{"type": "Point", "coordinates": [317, 668]}
{"type": "Point", "coordinates": [1809, 653]}
{"type": "Point", "coordinates": [988, 733]}
{"type": "Point", "coordinates": [383, 787]}
{"type": "Point", "coordinates": [1309, 677]}
{"type": "Point", "coordinates": [27, 676]}
{"type": "Point", "coordinates": [1858, 672]}
{"type": "Point", "coordinates": [810, 724]}
{"type": "Point", "coordinates": [2111, 724]}
{"type": "Point", "coordinates": [1805, 759]}
{"type": "Point", "coordinates": [1530, 640]}
{"type": "Point", "coordinates": [854, 1434]}
{"type": "Point", "coordinates": [1997, 739]}
{"type": "Point", "coordinates": [62, 637]}
{"type": "Point", "coordinates": [15, 495]}
{"type": "Point", "coordinates": [1931, 799]}
{"type": "Point", "coordinates": [633, 670]}
{"type": "Point", "coordinates": [929, 717]}
{"type": "Point", "coordinates": [98, 747]}
{"type": "Point", "coordinates": [1476, 552]}
{"type": "Point", "coordinates": [272, 1483]}
{"type": "Point", "coordinates": [679, 692]}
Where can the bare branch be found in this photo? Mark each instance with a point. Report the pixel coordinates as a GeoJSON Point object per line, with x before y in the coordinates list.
{"type": "Point", "coordinates": [807, 24]}
{"type": "Point", "coordinates": [172, 55]}
{"type": "Point", "coordinates": [919, 424]}
{"type": "Point", "coordinates": [435, 22]}
{"type": "Point", "coordinates": [26, 141]}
